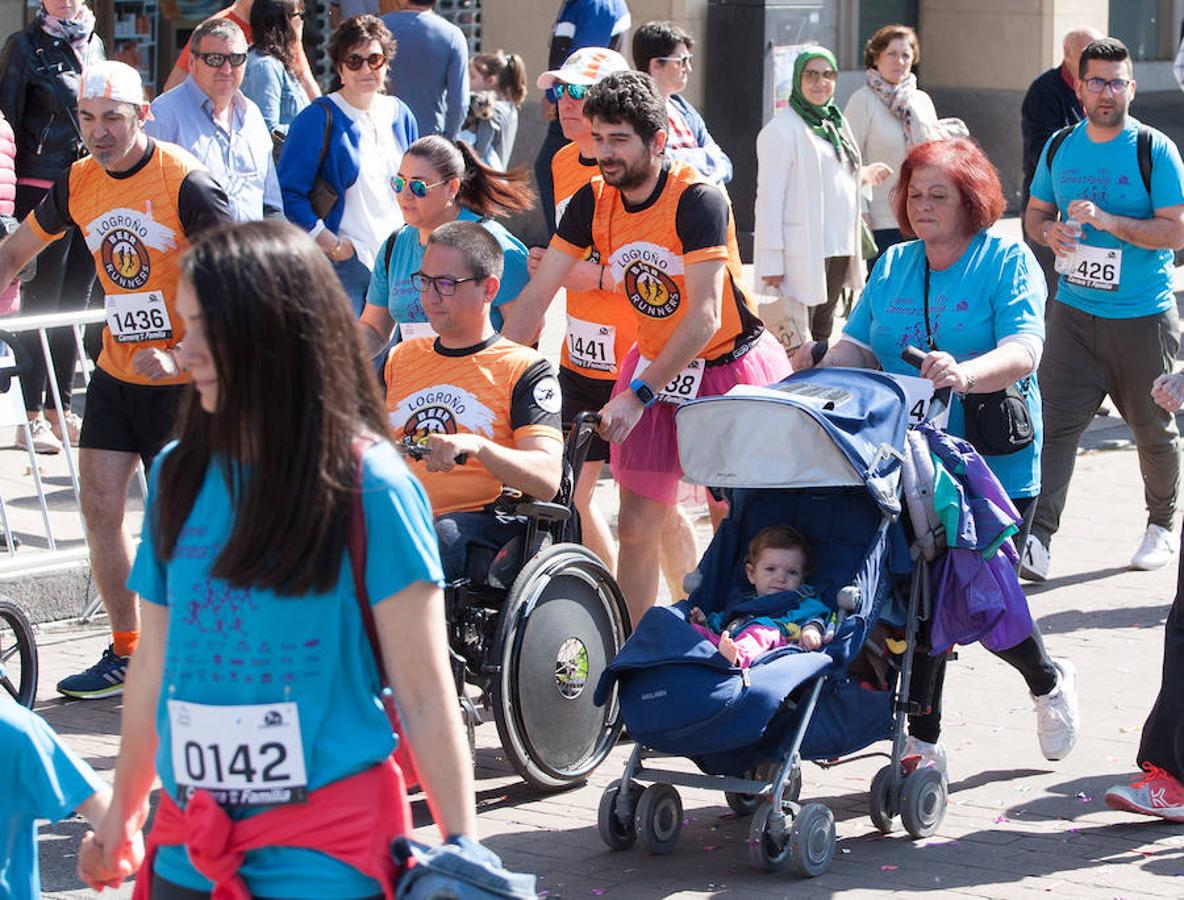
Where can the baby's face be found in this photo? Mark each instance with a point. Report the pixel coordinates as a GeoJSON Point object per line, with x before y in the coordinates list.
{"type": "Point", "coordinates": [776, 570]}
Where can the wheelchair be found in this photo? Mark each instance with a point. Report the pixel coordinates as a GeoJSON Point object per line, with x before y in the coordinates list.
{"type": "Point", "coordinates": [534, 636]}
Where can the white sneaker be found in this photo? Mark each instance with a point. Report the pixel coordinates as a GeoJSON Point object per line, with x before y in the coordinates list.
{"type": "Point", "coordinates": [1058, 720]}
{"type": "Point", "coordinates": [920, 754]}
{"type": "Point", "coordinates": [1035, 561]}
{"type": "Point", "coordinates": [43, 438]}
{"type": "Point", "coordinates": [1156, 551]}
{"type": "Point", "coordinates": [73, 427]}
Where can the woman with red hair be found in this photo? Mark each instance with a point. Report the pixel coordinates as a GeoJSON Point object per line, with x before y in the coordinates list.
{"type": "Point", "coordinates": [973, 301]}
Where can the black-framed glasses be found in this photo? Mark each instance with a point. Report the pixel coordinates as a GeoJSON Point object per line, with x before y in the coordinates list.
{"type": "Point", "coordinates": [444, 285]}
{"type": "Point", "coordinates": [218, 60]}
{"type": "Point", "coordinates": [355, 61]}
{"type": "Point", "coordinates": [685, 60]}
{"type": "Point", "coordinates": [419, 187]}
{"type": "Point", "coordinates": [825, 75]}
{"type": "Point", "coordinates": [575, 91]}
{"type": "Point", "coordinates": [1097, 85]}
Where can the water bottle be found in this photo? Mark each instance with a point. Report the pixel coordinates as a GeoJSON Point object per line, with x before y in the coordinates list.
{"type": "Point", "coordinates": [1066, 264]}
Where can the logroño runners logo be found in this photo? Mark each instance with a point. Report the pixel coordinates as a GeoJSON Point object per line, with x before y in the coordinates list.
{"type": "Point", "coordinates": [648, 272]}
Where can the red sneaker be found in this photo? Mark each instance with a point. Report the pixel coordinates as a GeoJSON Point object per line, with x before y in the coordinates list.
{"type": "Point", "coordinates": [1155, 794]}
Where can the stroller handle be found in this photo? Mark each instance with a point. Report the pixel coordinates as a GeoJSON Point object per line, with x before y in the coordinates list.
{"type": "Point", "coordinates": [914, 356]}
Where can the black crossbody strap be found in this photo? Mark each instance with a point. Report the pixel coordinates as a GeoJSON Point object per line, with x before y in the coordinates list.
{"type": "Point", "coordinates": [928, 330]}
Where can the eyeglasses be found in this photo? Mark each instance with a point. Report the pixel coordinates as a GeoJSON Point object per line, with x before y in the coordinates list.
{"type": "Point", "coordinates": [575, 91]}
{"type": "Point", "coordinates": [1097, 85]}
{"type": "Point", "coordinates": [355, 61]}
{"type": "Point", "coordinates": [815, 75]}
{"type": "Point", "coordinates": [443, 285]}
{"type": "Point", "coordinates": [684, 60]}
{"type": "Point", "coordinates": [218, 60]}
{"type": "Point", "coordinates": [297, 14]}
{"type": "Point", "coordinates": [419, 187]}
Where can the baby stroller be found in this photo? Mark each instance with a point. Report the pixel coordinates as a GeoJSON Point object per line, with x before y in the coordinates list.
{"type": "Point", "coordinates": [822, 452]}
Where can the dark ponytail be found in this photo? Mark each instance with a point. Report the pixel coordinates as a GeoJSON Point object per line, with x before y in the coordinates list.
{"type": "Point", "coordinates": [508, 71]}
{"type": "Point", "coordinates": [484, 190]}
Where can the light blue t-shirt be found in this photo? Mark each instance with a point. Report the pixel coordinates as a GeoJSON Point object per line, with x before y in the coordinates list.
{"type": "Point", "coordinates": [994, 290]}
{"type": "Point", "coordinates": [1108, 174]}
{"type": "Point", "coordinates": [233, 646]}
{"type": "Point", "coordinates": [392, 288]}
{"type": "Point", "coordinates": [40, 778]}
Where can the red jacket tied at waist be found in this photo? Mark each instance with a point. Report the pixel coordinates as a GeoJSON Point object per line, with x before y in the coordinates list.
{"type": "Point", "coordinates": [352, 820]}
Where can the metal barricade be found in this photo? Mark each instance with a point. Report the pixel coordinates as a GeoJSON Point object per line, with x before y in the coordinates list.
{"type": "Point", "coordinates": [35, 561]}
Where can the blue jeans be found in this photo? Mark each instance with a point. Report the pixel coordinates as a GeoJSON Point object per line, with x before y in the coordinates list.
{"type": "Point", "coordinates": [355, 278]}
{"type": "Point", "coordinates": [470, 540]}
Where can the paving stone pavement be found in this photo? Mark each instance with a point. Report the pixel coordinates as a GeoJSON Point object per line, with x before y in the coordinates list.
{"type": "Point", "coordinates": [1016, 826]}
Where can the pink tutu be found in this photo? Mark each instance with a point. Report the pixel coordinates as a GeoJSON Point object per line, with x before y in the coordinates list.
{"type": "Point", "coordinates": [647, 462]}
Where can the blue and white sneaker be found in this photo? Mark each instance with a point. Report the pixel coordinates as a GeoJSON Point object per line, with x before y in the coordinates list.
{"type": "Point", "coordinates": [104, 679]}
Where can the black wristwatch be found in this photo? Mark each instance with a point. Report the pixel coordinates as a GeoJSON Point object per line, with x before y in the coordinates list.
{"type": "Point", "coordinates": [643, 392]}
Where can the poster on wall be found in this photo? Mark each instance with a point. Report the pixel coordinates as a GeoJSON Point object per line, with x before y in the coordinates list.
{"type": "Point", "coordinates": [783, 59]}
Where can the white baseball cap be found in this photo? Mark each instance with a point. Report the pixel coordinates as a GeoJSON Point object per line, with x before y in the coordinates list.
{"type": "Point", "coordinates": [587, 65]}
{"type": "Point", "coordinates": [112, 80]}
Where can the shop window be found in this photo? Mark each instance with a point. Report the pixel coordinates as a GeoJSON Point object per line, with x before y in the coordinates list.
{"type": "Point", "coordinates": [875, 13]}
{"type": "Point", "coordinates": [465, 15]}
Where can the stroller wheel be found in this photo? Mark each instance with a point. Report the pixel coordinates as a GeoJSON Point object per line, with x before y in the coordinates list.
{"type": "Point", "coordinates": [746, 804]}
{"type": "Point", "coordinates": [18, 656]}
{"type": "Point", "coordinates": [614, 818]}
{"type": "Point", "coordinates": [881, 802]}
{"type": "Point", "coordinates": [923, 802]}
{"type": "Point", "coordinates": [768, 839]}
{"type": "Point", "coordinates": [742, 804]}
{"type": "Point", "coordinates": [812, 840]}
{"type": "Point", "coordinates": [659, 818]}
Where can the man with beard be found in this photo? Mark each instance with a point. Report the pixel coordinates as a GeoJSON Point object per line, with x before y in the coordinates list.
{"type": "Point", "coordinates": [139, 202]}
{"type": "Point", "coordinates": [1118, 187]}
{"type": "Point", "coordinates": [669, 244]}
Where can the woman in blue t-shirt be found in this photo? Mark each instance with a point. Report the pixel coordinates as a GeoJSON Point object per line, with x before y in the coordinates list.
{"type": "Point", "coordinates": [254, 692]}
{"type": "Point", "coordinates": [975, 301]}
{"type": "Point", "coordinates": [439, 182]}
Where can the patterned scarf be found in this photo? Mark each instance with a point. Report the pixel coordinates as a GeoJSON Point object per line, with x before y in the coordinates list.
{"type": "Point", "coordinates": [76, 32]}
{"type": "Point", "coordinates": [826, 121]}
{"type": "Point", "coordinates": [901, 100]}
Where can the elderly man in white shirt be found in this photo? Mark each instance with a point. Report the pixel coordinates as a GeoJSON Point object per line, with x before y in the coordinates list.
{"type": "Point", "coordinates": [210, 117]}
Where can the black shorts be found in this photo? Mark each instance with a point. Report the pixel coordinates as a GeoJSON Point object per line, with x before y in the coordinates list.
{"type": "Point", "coordinates": [584, 394]}
{"type": "Point", "coordinates": [130, 418]}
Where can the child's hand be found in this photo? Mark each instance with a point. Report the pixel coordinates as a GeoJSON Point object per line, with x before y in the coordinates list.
{"type": "Point", "coordinates": [811, 637]}
{"type": "Point", "coordinates": [696, 617]}
{"type": "Point", "coordinates": [99, 869]}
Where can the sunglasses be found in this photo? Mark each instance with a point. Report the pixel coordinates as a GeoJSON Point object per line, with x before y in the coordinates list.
{"type": "Point", "coordinates": [575, 91]}
{"type": "Point", "coordinates": [419, 187]}
{"type": "Point", "coordinates": [814, 75]}
{"type": "Point", "coordinates": [217, 60]}
{"type": "Point", "coordinates": [1097, 85]}
{"type": "Point", "coordinates": [355, 61]}
{"type": "Point", "coordinates": [443, 285]}
{"type": "Point", "coordinates": [684, 60]}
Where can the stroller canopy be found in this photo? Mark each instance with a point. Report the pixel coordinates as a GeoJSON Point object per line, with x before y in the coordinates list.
{"type": "Point", "coordinates": [818, 428]}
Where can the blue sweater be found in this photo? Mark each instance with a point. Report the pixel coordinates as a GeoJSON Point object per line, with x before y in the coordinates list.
{"type": "Point", "coordinates": [298, 163]}
{"type": "Point", "coordinates": [430, 70]}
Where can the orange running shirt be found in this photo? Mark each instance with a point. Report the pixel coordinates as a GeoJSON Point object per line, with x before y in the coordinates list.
{"type": "Point", "coordinates": [498, 389]}
{"type": "Point", "coordinates": [601, 327]}
{"type": "Point", "coordinates": [686, 220]}
{"type": "Point", "coordinates": [137, 225]}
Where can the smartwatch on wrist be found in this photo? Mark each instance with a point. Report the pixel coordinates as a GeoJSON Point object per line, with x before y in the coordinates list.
{"type": "Point", "coordinates": [643, 392]}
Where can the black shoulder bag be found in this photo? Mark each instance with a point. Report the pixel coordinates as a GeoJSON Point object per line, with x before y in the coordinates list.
{"type": "Point", "coordinates": [997, 423]}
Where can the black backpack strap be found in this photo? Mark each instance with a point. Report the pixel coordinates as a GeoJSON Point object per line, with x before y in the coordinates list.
{"type": "Point", "coordinates": [389, 249]}
{"type": "Point", "coordinates": [1143, 145]}
{"type": "Point", "coordinates": [1055, 144]}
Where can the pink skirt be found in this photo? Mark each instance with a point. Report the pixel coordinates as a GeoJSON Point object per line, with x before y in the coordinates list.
{"type": "Point", "coordinates": [647, 463]}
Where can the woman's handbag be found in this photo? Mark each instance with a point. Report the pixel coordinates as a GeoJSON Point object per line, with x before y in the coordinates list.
{"type": "Point", "coordinates": [322, 196]}
{"type": "Point", "coordinates": [998, 423]}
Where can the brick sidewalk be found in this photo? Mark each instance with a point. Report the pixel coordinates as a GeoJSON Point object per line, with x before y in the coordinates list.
{"type": "Point", "coordinates": [1016, 825]}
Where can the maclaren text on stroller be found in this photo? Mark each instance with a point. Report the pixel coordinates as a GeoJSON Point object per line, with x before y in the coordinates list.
{"type": "Point", "coordinates": [821, 451]}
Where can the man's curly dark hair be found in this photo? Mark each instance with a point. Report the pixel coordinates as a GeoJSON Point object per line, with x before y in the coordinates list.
{"type": "Point", "coordinates": [628, 97]}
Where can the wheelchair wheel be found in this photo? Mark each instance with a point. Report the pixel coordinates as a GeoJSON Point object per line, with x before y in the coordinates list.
{"type": "Point", "coordinates": [563, 622]}
{"type": "Point", "coordinates": [18, 655]}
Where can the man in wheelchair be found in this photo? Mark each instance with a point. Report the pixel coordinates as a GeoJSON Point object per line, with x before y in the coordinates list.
{"type": "Point", "coordinates": [481, 412]}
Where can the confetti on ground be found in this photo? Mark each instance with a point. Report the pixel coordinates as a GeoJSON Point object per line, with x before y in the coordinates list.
{"type": "Point", "coordinates": [707, 848]}
{"type": "Point", "coordinates": [889, 868]}
{"type": "Point", "coordinates": [999, 820]}
{"type": "Point", "coordinates": [687, 820]}
{"type": "Point", "coordinates": [1084, 797]}
{"type": "Point", "coordinates": [727, 815]}
{"type": "Point", "coordinates": [1125, 729]}
{"type": "Point", "coordinates": [1023, 788]}
{"type": "Point", "coordinates": [950, 843]}
{"type": "Point", "coordinates": [597, 892]}
{"type": "Point", "coordinates": [844, 850]}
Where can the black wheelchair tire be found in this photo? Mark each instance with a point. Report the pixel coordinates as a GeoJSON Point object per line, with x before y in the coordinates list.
{"type": "Point", "coordinates": [563, 599]}
{"type": "Point", "coordinates": [21, 645]}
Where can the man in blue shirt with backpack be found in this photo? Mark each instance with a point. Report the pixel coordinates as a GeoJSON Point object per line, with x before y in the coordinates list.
{"type": "Point", "coordinates": [1118, 187]}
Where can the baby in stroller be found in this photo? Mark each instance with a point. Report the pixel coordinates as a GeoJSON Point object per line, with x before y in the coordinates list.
{"type": "Point", "coordinates": [776, 564]}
